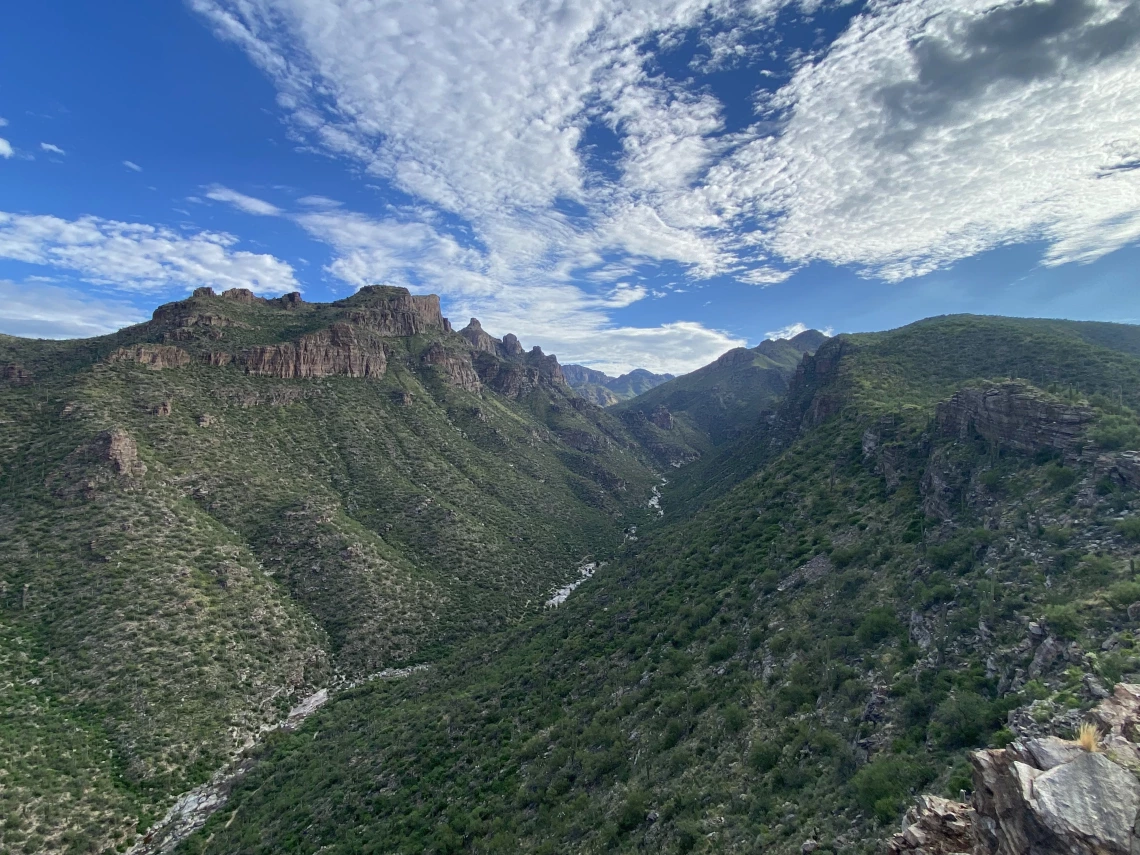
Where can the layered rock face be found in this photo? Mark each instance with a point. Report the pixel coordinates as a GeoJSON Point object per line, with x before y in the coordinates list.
{"type": "Point", "coordinates": [1015, 416]}
{"type": "Point", "coordinates": [154, 356]}
{"type": "Point", "coordinates": [395, 311]}
{"type": "Point", "coordinates": [1044, 796]}
{"type": "Point", "coordinates": [335, 351]}
{"type": "Point", "coordinates": [518, 376]}
{"type": "Point", "coordinates": [455, 367]}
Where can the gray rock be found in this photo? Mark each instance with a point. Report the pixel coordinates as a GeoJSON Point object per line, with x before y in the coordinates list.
{"type": "Point", "coordinates": [1046, 752]}
{"type": "Point", "coordinates": [1090, 803]}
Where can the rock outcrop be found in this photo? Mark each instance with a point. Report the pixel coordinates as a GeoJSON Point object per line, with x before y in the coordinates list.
{"type": "Point", "coordinates": [456, 368]}
{"type": "Point", "coordinates": [935, 826]}
{"type": "Point", "coordinates": [14, 373]}
{"type": "Point", "coordinates": [119, 449]}
{"type": "Point", "coordinates": [394, 311]}
{"type": "Point", "coordinates": [1126, 467]}
{"type": "Point", "coordinates": [480, 339]}
{"type": "Point", "coordinates": [338, 350]}
{"type": "Point", "coordinates": [1015, 416]}
{"type": "Point", "coordinates": [517, 373]}
{"type": "Point", "coordinates": [1043, 796]}
{"type": "Point", "coordinates": [154, 356]}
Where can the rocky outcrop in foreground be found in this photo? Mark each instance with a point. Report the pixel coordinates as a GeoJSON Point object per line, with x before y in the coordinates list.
{"type": "Point", "coordinates": [1043, 796]}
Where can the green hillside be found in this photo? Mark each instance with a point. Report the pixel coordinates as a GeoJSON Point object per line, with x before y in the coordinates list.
{"type": "Point", "coordinates": [925, 556]}
{"type": "Point", "coordinates": [686, 417]}
{"type": "Point", "coordinates": [207, 517]}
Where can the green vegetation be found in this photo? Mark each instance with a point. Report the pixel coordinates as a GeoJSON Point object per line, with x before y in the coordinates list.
{"type": "Point", "coordinates": [721, 687]}
{"type": "Point", "coordinates": [832, 610]}
{"type": "Point", "coordinates": [255, 539]}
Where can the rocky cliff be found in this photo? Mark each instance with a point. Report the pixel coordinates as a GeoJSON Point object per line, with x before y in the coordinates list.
{"type": "Point", "coordinates": [1015, 416]}
{"type": "Point", "coordinates": [339, 350]}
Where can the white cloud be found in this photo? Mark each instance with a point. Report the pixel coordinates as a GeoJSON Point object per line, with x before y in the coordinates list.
{"type": "Point", "coordinates": [52, 149]}
{"type": "Point", "coordinates": [249, 204]}
{"type": "Point", "coordinates": [133, 167]}
{"type": "Point", "coordinates": [917, 138]}
{"type": "Point", "coordinates": [480, 109]}
{"type": "Point", "coordinates": [36, 310]}
{"type": "Point", "coordinates": [5, 148]}
{"type": "Point", "coordinates": [136, 256]}
{"type": "Point", "coordinates": [933, 130]}
{"type": "Point", "coordinates": [318, 202]}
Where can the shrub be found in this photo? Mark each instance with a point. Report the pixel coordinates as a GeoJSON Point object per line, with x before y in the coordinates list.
{"type": "Point", "coordinates": [763, 757]}
{"type": "Point", "coordinates": [1063, 619]}
{"type": "Point", "coordinates": [883, 785]}
{"type": "Point", "coordinates": [721, 650]}
{"type": "Point", "coordinates": [1130, 528]}
{"type": "Point", "coordinates": [1113, 432]}
{"type": "Point", "coordinates": [1060, 477]}
{"type": "Point", "coordinates": [962, 720]}
{"type": "Point", "coordinates": [880, 623]}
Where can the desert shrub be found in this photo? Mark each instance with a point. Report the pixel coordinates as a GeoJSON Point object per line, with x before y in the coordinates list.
{"type": "Point", "coordinates": [1130, 528]}
{"type": "Point", "coordinates": [880, 623]}
{"type": "Point", "coordinates": [1060, 477]}
{"type": "Point", "coordinates": [963, 719]}
{"type": "Point", "coordinates": [883, 785]}
{"type": "Point", "coordinates": [1115, 432]}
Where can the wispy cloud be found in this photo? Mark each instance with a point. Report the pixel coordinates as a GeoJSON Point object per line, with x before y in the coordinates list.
{"type": "Point", "coordinates": [139, 257]}
{"type": "Point", "coordinates": [249, 204]}
{"type": "Point", "coordinates": [37, 310]}
{"type": "Point", "coordinates": [5, 148]}
{"type": "Point", "coordinates": [52, 149]}
{"type": "Point", "coordinates": [133, 167]}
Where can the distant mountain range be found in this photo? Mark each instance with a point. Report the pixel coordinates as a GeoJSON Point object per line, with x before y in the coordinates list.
{"type": "Point", "coordinates": [604, 390]}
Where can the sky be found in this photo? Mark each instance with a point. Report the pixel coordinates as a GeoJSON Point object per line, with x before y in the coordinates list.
{"type": "Point", "coordinates": [626, 183]}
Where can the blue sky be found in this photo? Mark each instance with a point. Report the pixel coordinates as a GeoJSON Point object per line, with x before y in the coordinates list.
{"type": "Point", "coordinates": [628, 183]}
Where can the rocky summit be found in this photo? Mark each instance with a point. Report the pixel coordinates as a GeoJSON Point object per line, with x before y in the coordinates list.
{"type": "Point", "coordinates": [290, 576]}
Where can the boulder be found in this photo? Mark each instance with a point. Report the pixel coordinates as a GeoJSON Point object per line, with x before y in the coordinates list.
{"type": "Point", "coordinates": [1089, 804]}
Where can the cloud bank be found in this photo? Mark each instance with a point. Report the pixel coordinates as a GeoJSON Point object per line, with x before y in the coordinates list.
{"type": "Point", "coordinates": [138, 257]}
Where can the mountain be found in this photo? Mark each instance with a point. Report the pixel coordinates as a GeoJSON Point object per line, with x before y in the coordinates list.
{"type": "Point", "coordinates": [209, 517]}
{"type": "Point", "coordinates": [687, 417]}
{"type": "Point", "coordinates": [604, 390]}
{"type": "Point", "coordinates": [933, 552]}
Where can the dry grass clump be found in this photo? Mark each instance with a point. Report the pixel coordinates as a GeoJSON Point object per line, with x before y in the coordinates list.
{"type": "Point", "coordinates": [1088, 737]}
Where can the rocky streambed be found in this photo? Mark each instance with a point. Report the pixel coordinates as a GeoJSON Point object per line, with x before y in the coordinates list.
{"type": "Point", "coordinates": [192, 809]}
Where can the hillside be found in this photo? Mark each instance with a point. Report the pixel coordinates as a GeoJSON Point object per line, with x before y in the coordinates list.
{"type": "Point", "coordinates": [603, 390]}
{"type": "Point", "coordinates": [686, 417]}
{"type": "Point", "coordinates": [928, 556]}
{"type": "Point", "coordinates": [207, 517]}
